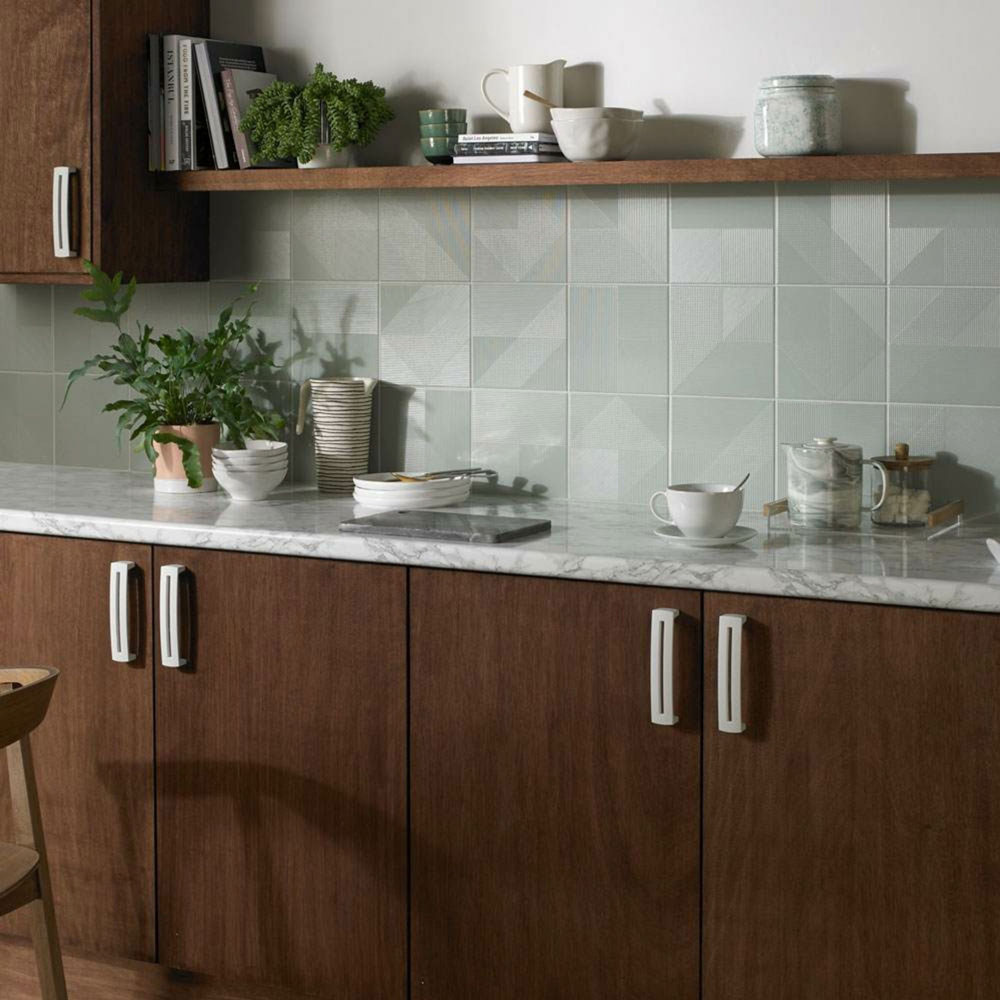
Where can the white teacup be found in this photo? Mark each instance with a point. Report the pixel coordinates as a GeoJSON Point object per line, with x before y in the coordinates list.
{"type": "Point", "coordinates": [700, 510]}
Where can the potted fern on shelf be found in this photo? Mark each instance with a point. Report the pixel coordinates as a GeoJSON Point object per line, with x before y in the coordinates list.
{"type": "Point", "coordinates": [183, 391]}
{"type": "Point", "coordinates": [317, 124]}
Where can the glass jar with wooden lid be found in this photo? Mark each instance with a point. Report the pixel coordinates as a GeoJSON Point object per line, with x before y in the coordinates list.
{"type": "Point", "coordinates": [907, 495]}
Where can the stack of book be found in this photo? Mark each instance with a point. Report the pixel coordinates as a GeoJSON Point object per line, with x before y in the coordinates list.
{"type": "Point", "coordinates": [507, 147]}
{"type": "Point", "coordinates": [199, 89]}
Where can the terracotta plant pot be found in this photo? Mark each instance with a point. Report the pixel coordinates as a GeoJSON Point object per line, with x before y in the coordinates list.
{"type": "Point", "coordinates": [169, 471]}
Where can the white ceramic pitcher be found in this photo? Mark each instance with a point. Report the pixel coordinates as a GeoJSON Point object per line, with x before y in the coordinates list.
{"type": "Point", "coordinates": [524, 114]}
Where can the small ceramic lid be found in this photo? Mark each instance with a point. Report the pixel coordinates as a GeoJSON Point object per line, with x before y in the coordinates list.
{"type": "Point", "coordinates": [814, 82]}
{"type": "Point", "coordinates": [828, 444]}
{"type": "Point", "coordinates": [902, 459]}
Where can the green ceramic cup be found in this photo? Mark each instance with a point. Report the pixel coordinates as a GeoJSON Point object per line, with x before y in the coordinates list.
{"type": "Point", "coordinates": [450, 129]}
{"type": "Point", "coordinates": [441, 116]}
{"type": "Point", "coordinates": [438, 148]}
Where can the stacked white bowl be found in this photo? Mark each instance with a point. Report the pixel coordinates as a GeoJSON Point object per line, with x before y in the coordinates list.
{"type": "Point", "coordinates": [250, 473]}
{"type": "Point", "coordinates": [383, 491]}
{"type": "Point", "coordinates": [596, 133]}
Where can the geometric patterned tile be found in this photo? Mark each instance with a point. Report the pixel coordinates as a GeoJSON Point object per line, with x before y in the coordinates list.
{"type": "Point", "coordinates": [619, 234]}
{"type": "Point", "coordinates": [519, 336]}
{"type": "Point", "coordinates": [944, 233]}
{"type": "Point", "coordinates": [521, 435]}
{"type": "Point", "coordinates": [250, 235]}
{"type": "Point", "coordinates": [964, 440]}
{"type": "Point", "coordinates": [424, 235]}
{"type": "Point", "coordinates": [850, 423]}
{"type": "Point", "coordinates": [720, 441]}
{"type": "Point", "coordinates": [722, 340]}
{"type": "Point", "coordinates": [334, 329]}
{"type": "Point", "coordinates": [944, 345]}
{"type": "Point", "coordinates": [831, 343]}
{"type": "Point", "coordinates": [618, 447]}
{"type": "Point", "coordinates": [335, 235]}
{"type": "Point", "coordinates": [831, 234]}
{"type": "Point", "coordinates": [519, 234]}
{"type": "Point", "coordinates": [26, 416]}
{"type": "Point", "coordinates": [722, 234]}
{"type": "Point", "coordinates": [619, 338]}
{"type": "Point", "coordinates": [164, 307]}
{"type": "Point", "coordinates": [425, 334]}
{"type": "Point", "coordinates": [270, 319]}
{"type": "Point", "coordinates": [25, 328]}
{"type": "Point", "coordinates": [420, 430]}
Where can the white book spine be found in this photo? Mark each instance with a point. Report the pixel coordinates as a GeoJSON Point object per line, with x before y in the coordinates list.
{"type": "Point", "coordinates": [170, 95]}
{"type": "Point", "coordinates": [507, 137]}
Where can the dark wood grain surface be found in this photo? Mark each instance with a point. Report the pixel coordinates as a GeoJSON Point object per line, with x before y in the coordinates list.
{"type": "Point", "coordinates": [94, 751]}
{"type": "Point", "coordinates": [555, 829]}
{"type": "Point", "coordinates": [281, 775]}
{"type": "Point", "coordinates": [898, 166]}
{"type": "Point", "coordinates": [852, 842]}
{"type": "Point", "coordinates": [45, 95]}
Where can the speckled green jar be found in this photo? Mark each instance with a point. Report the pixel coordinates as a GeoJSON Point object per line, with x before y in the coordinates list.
{"type": "Point", "coordinates": [797, 116]}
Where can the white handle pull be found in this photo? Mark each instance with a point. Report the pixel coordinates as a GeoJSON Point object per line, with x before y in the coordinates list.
{"type": "Point", "coordinates": [121, 646]}
{"type": "Point", "coordinates": [170, 584]}
{"type": "Point", "coordinates": [661, 666]}
{"type": "Point", "coordinates": [730, 673]}
{"type": "Point", "coordinates": [62, 237]}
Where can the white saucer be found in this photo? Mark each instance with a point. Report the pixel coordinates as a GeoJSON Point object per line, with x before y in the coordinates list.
{"type": "Point", "coordinates": [735, 537]}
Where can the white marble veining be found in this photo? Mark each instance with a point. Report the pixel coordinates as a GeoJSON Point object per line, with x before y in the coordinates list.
{"type": "Point", "coordinates": [587, 541]}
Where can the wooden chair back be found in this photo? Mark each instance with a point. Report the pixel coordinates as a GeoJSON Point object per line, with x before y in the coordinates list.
{"type": "Point", "coordinates": [25, 693]}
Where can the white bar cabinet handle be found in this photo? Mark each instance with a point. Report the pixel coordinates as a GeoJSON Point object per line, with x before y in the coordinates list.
{"type": "Point", "coordinates": [62, 239]}
{"type": "Point", "coordinates": [730, 673]}
{"type": "Point", "coordinates": [170, 583]}
{"type": "Point", "coordinates": [661, 666]}
{"type": "Point", "coordinates": [121, 646]}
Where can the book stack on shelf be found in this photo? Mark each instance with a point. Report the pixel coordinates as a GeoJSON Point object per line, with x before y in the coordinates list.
{"type": "Point", "coordinates": [507, 147]}
{"type": "Point", "coordinates": [199, 89]}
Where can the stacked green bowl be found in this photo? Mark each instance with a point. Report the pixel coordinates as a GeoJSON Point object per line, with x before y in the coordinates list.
{"type": "Point", "coordinates": [439, 131]}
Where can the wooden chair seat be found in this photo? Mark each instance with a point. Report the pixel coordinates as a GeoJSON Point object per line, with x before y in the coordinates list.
{"type": "Point", "coordinates": [16, 864]}
{"type": "Point", "coordinates": [25, 693]}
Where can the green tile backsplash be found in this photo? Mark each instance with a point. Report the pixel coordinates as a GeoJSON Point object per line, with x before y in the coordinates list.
{"type": "Point", "coordinates": [594, 343]}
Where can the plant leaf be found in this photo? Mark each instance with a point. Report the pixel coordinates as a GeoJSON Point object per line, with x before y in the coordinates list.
{"type": "Point", "coordinates": [190, 457]}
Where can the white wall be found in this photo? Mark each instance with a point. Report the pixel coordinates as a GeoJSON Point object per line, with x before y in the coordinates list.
{"type": "Point", "coordinates": [695, 62]}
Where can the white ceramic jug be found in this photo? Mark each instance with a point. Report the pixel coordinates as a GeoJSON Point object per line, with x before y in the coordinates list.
{"type": "Point", "coordinates": [524, 114]}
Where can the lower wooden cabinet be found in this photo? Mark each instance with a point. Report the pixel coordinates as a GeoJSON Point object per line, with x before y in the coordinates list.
{"type": "Point", "coordinates": [852, 831]}
{"type": "Point", "coordinates": [555, 828]}
{"type": "Point", "coordinates": [281, 774]}
{"type": "Point", "coordinates": [94, 752]}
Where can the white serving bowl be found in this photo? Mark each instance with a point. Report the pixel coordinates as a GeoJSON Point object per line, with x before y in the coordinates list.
{"type": "Point", "coordinates": [244, 486]}
{"type": "Point", "coordinates": [281, 462]}
{"type": "Point", "coordinates": [254, 449]}
{"type": "Point", "coordinates": [597, 138]}
{"type": "Point", "coordinates": [580, 114]}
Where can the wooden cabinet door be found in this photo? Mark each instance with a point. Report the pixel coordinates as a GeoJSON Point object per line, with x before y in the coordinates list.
{"type": "Point", "coordinates": [94, 751]}
{"type": "Point", "coordinates": [281, 774]}
{"type": "Point", "coordinates": [554, 827]}
{"type": "Point", "coordinates": [45, 93]}
{"type": "Point", "coordinates": [852, 842]}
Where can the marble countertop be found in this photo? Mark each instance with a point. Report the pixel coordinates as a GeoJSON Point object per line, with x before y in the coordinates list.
{"type": "Point", "coordinates": [587, 541]}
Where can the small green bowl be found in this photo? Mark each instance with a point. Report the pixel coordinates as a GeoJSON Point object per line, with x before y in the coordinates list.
{"type": "Point", "coordinates": [451, 129]}
{"type": "Point", "coordinates": [438, 148]}
{"type": "Point", "coordinates": [440, 116]}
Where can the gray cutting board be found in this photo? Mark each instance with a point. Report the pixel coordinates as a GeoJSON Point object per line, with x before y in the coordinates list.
{"type": "Point", "coordinates": [446, 526]}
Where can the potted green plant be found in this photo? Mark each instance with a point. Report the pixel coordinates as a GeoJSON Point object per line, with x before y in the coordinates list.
{"type": "Point", "coordinates": [184, 390]}
{"type": "Point", "coordinates": [316, 124]}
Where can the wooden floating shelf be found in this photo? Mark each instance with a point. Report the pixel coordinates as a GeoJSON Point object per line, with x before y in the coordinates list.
{"type": "Point", "coordinates": [868, 167]}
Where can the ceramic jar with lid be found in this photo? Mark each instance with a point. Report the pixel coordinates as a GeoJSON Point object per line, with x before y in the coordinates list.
{"type": "Point", "coordinates": [824, 484]}
{"type": "Point", "coordinates": [905, 498]}
{"type": "Point", "coordinates": [797, 116]}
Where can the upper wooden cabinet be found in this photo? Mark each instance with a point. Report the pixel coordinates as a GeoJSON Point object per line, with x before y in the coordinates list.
{"type": "Point", "coordinates": [851, 842]}
{"type": "Point", "coordinates": [554, 827]}
{"type": "Point", "coordinates": [73, 94]}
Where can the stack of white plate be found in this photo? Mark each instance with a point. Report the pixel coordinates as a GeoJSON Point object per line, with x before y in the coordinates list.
{"type": "Point", "coordinates": [342, 413]}
{"type": "Point", "coordinates": [252, 472]}
{"type": "Point", "coordinates": [382, 491]}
